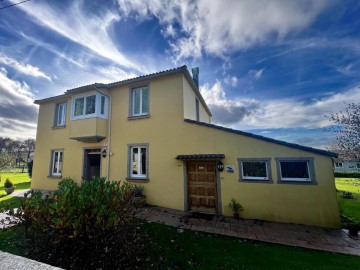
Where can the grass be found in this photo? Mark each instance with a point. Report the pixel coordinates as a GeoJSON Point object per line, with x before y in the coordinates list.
{"type": "Point", "coordinates": [170, 249]}
{"type": "Point", "coordinates": [20, 180]}
{"type": "Point", "coordinates": [349, 207]}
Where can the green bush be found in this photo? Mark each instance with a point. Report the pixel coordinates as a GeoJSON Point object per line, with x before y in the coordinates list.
{"type": "Point", "coordinates": [8, 183]}
{"type": "Point", "coordinates": [90, 226]}
{"type": "Point", "coordinates": [30, 167]}
{"type": "Point", "coordinates": [347, 174]}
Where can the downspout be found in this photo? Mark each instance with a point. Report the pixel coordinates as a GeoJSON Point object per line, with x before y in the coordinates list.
{"type": "Point", "coordinates": [109, 133]}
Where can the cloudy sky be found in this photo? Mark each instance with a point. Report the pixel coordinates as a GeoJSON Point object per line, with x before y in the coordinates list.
{"type": "Point", "coordinates": [270, 67]}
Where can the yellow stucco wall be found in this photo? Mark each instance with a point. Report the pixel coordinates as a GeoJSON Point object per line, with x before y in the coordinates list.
{"type": "Point", "coordinates": [189, 104]}
{"type": "Point", "coordinates": [168, 135]}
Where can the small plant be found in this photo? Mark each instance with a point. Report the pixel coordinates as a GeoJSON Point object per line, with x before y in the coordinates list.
{"type": "Point", "coordinates": [9, 186]}
{"type": "Point", "coordinates": [138, 191]}
{"type": "Point", "coordinates": [352, 225]}
{"type": "Point", "coordinates": [347, 195]}
{"type": "Point", "coordinates": [235, 207]}
{"type": "Point", "coordinates": [8, 183]}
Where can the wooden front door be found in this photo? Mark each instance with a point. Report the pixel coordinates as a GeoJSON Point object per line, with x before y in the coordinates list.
{"type": "Point", "coordinates": [202, 189]}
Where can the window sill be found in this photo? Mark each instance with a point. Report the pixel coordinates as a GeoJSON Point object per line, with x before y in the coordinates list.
{"type": "Point", "coordinates": [54, 176]}
{"type": "Point", "coordinates": [140, 180]}
{"type": "Point", "coordinates": [58, 127]}
{"type": "Point", "coordinates": [297, 182]}
{"type": "Point", "coordinates": [269, 181]}
{"type": "Point", "coordinates": [138, 117]}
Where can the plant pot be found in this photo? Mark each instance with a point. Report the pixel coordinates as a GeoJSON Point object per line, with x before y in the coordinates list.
{"type": "Point", "coordinates": [9, 190]}
{"type": "Point", "coordinates": [353, 231]}
{"type": "Point", "coordinates": [236, 215]}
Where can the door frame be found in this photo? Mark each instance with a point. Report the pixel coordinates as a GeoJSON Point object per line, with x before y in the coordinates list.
{"type": "Point", "coordinates": [218, 186]}
{"type": "Point", "coordinates": [85, 149]}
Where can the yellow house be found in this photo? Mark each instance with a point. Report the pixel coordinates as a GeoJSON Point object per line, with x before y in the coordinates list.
{"type": "Point", "coordinates": [155, 130]}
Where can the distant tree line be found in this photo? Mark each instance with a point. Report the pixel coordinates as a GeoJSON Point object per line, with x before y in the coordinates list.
{"type": "Point", "coordinates": [15, 153]}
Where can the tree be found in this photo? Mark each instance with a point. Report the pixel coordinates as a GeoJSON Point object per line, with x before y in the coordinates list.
{"type": "Point", "coordinates": [347, 131]}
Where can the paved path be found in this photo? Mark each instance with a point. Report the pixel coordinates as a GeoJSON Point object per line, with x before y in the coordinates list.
{"type": "Point", "coordinates": [332, 240]}
{"type": "Point", "coordinates": [12, 262]}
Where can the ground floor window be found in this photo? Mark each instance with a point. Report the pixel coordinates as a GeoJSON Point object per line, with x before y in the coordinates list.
{"type": "Point", "coordinates": [138, 161]}
{"type": "Point", "coordinates": [57, 162]}
{"type": "Point", "coordinates": [296, 170]}
{"type": "Point", "coordinates": [338, 165]}
{"type": "Point", "coordinates": [257, 169]}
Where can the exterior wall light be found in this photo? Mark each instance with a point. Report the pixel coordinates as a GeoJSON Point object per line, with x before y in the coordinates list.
{"type": "Point", "coordinates": [220, 166]}
{"type": "Point", "coordinates": [103, 153]}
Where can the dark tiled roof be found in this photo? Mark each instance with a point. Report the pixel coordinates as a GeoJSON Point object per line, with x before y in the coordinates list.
{"type": "Point", "coordinates": [201, 156]}
{"type": "Point", "coordinates": [292, 145]}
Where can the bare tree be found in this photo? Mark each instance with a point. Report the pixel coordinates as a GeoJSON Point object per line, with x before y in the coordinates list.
{"type": "Point", "coordinates": [347, 131]}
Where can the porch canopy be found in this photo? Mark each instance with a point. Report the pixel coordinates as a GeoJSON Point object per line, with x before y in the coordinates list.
{"type": "Point", "coordinates": [200, 156]}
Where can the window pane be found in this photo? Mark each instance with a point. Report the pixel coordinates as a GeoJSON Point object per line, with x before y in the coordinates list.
{"type": "Point", "coordinates": [145, 101]}
{"type": "Point", "coordinates": [143, 160]}
{"type": "Point", "coordinates": [60, 163]}
{"type": "Point", "coordinates": [294, 169]}
{"type": "Point", "coordinates": [136, 101]}
{"type": "Point", "coordinates": [102, 111]}
{"type": "Point", "coordinates": [90, 104]}
{"type": "Point", "coordinates": [254, 169]}
{"type": "Point", "coordinates": [55, 162]}
{"type": "Point", "coordinates": [135, 159]}
{"type": "Point", "coordinates": [79, 107]}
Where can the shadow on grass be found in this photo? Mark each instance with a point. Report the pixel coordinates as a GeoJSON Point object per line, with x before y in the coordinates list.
{"type": "Point", "coordinates": [11, 202]}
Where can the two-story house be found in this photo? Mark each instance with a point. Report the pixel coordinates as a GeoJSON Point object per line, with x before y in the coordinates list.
{"type": "Point", "coordinates": [155, 130]}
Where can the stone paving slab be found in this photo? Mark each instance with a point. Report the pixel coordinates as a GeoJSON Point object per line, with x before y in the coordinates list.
{"type": "Point", "coordinates": [331, 240]}
{"type": "Point", "coordinates": [12, 262]}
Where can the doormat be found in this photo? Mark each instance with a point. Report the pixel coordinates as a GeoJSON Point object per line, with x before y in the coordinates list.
{"type": "Point", "coordinates": [199, 215]}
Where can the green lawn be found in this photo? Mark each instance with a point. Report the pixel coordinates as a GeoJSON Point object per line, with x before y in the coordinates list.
{"type": "Point", "coordinates": [170, 249]}
{"type": "Point", "coordinates": [20, 180]}
{"type": "Point", "coordinates": [349, 207]}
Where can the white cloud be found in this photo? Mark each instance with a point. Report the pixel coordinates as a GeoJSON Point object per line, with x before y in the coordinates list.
{"type": "Point", "coordinates": [231, 80]}
{"type": "Point", "coordinates": [219, 27]}
{"type": "Point", "coordinates": [87, 30]}
{"type": "Point", "coordinates": [26, 69]}
{"type": "Point", "coordinates": [276, 113]}
{"type": "Point", "coordinates": [18, 114]}
{"type": "Point", "coordinates": [256, 74]}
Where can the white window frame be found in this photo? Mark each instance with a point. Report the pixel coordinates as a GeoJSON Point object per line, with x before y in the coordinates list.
{"type": "Point", "coordinates": [139, 176]}
{"type": "Point", "coordinates": [98, 103]}
{"type": "Point", "coordinates": [267, 162]}
{"type": "Point", "coordinates": [310, 169]}
{"type": "Point", "coordinates": [338, 164]}
{"type": "Point", "coordinates": [54, 152]}
{"type": "Point", "coordinates": [132, 101]}
{"type": "Point", "coordinates": [62, 117]}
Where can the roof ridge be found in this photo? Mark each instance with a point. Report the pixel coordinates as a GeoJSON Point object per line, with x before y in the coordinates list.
{"type": "Point", "coordinates": [292, 145]}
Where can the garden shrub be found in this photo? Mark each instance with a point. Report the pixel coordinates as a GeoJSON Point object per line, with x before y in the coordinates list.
{"type": "Point", "coordinates": [347, 174]}
{"type": "Point", "coordinates": [91, 226]}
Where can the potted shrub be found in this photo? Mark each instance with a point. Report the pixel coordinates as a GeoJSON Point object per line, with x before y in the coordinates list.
{"type": "Point", "coordinates": [139, 197]}
{"type": "Point", "coordinates": [9, 186]}
{"type": "Point", "coordinates": [236, 208]}
{"type": "Point", "coordinates": [352, 225]}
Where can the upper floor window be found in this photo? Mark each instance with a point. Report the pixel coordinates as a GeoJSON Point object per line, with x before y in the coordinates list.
{"type": "Point", "coordinates": [60, 115]}
{"type": "Point", "coordinates": [197, 109]}
{"type": "Point", "coordinates": [89, 106]}
{"type": "Point", "coordinates": [139, 101]}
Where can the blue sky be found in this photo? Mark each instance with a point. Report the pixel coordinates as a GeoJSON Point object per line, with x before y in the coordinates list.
{"type": "Point", "coordinates": [271, 67]}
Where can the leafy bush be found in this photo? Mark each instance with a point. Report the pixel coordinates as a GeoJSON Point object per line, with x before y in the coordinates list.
{"type": "Point", "coordinates": [8, 183]}
{"type": "Point", "coordinates": [347, 174]}
{"type": "Point", "coordinates": [84, 227]}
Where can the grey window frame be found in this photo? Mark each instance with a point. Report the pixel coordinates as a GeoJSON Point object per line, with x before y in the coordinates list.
{"type": "Point", "coordinates": [129, 162]}
{"type": "Point", "coordinates": [311, 170]}
{"type": "Point", "coordinates": [132, 90]}
{"type": "Point", "coordinates": [56, 116]}
{"type": "Point", "coordinates": [255, 180]}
